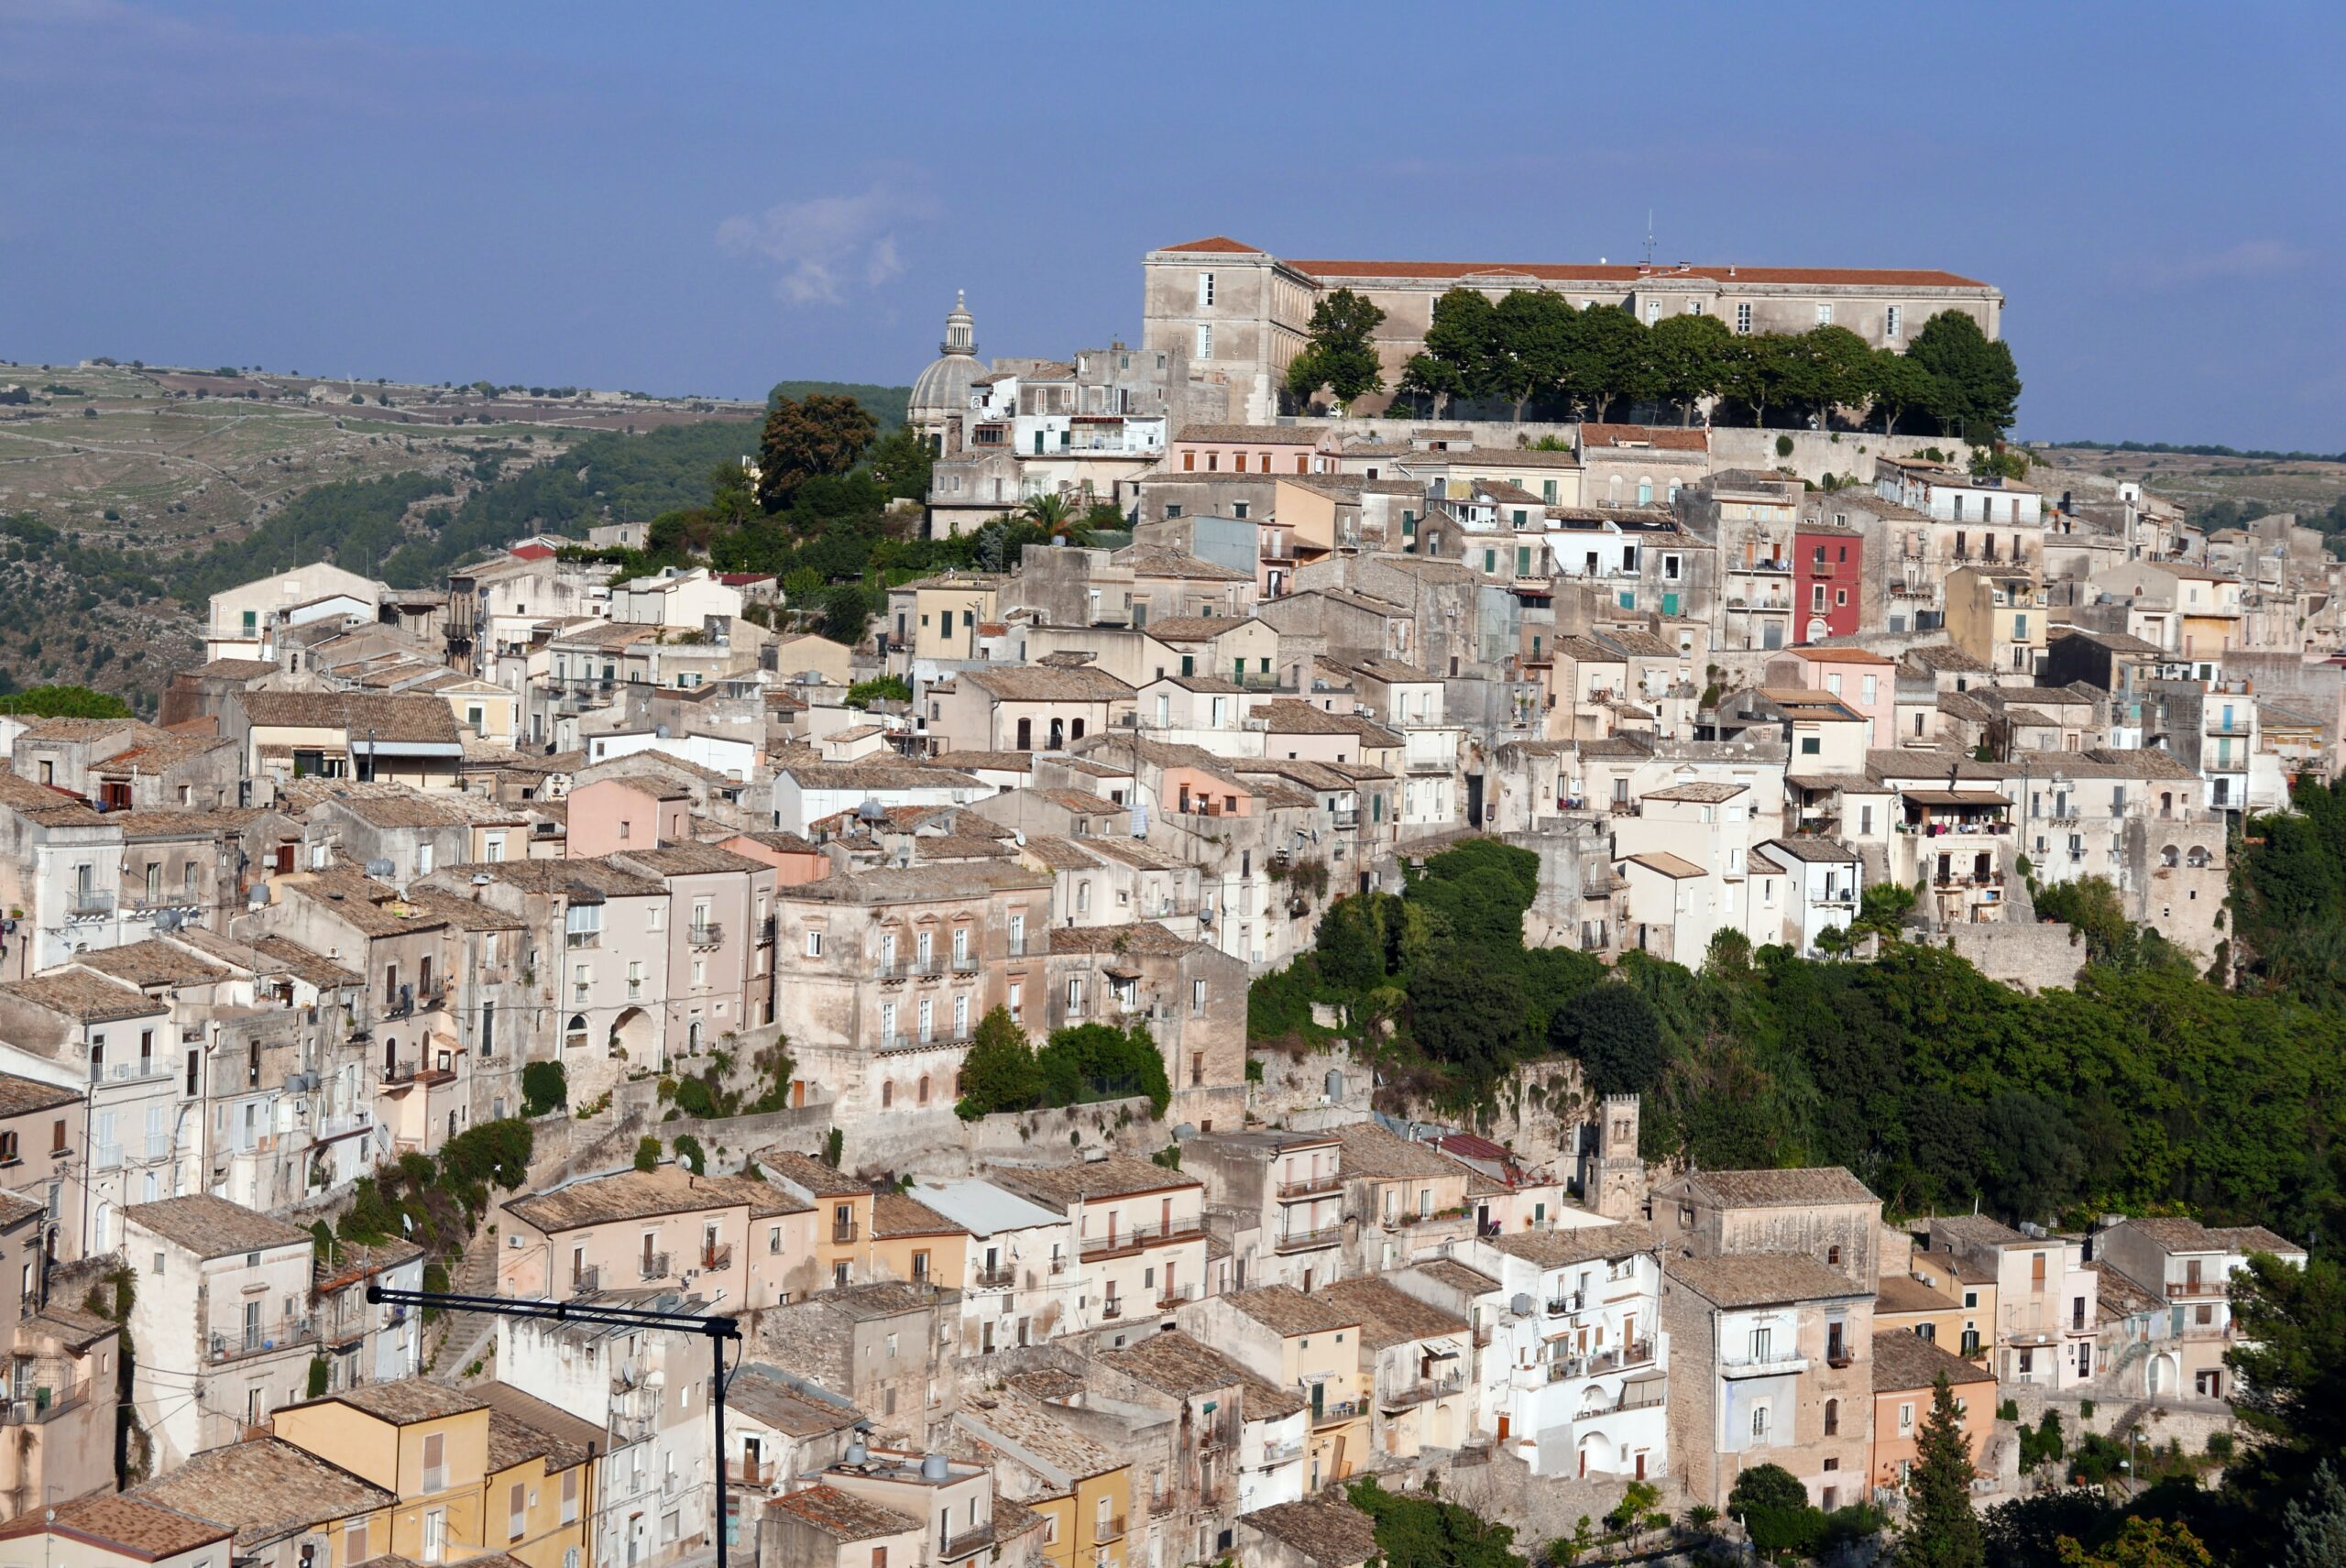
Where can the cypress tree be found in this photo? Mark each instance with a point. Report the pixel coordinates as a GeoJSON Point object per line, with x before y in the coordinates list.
{"type": "Point", "coordinates": [1941, 1530]}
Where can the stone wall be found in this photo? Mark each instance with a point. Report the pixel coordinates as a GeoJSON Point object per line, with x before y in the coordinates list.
{"type": "Point", "coordinates": [1295, 1090]}
{"type": "Point", "coordinates": [1816, 453]}
{"type": "Point", "coordinates": [2031, 957]}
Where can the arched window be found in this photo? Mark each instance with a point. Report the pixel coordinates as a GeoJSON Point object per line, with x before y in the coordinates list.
{"type": "Point", "coordinates": [1833, 1257]}
{"type": "Point", "coordinates": [1758, 1423]}
{"type": "Point", "coordinates": [2168, 857]}
{"type": "Point", "coordinates": [1831, 1417]}
{"type": "Point", "coordinates": [2197, 858]}
{"type": "Point", "coordinates": [923, 1088]}
{"type": "Point", "coordinates": [887, 1094]}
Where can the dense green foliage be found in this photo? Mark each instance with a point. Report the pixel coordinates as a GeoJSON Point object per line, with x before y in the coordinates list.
{"type": "Point", "coordinates": [817, 436]}
{"type": "Point", "coordinates": [438, 1201]}
{"type": "Point", "coordinates": [647, 1154]}
{"type": "Point", "coordinates": [1531, 349]}
{"type": "Point", "coordinates": [545, 1087]}
{"type": "Point", "coordinates": [1075, 1067]}
{"type": "Point", "coordinates": [2145, 1087]}
{"type": "Point", "coordinates": [1339, 351]}
{"type": "Point", "coordinates": [1418, 1532]}
{"type": "Point", "coordinates": [885, 688]}
{"type": "Point", "coordinates": [999, 1071]}
{"type": "Point", "coordinates": [886, 405]}
{"type": "Point", "coordinates": [65, 702]}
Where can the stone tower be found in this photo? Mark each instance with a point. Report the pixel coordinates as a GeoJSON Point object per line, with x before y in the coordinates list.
{"type": "Point", "coordinates": [1613, 1177]}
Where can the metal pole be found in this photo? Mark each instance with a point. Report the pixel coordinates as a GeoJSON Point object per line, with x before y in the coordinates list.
{"type": "Point", "coordinates": [717, 1399]}
{"type": "Point", "coordinates": [717, 1330]}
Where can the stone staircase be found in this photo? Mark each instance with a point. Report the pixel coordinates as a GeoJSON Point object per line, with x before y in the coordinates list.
{"type": "Point", "coordinates": [466, 1337]}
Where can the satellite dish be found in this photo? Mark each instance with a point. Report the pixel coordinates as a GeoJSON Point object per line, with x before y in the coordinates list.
{"type": "Point", "coordinates": [482, 879]}
{"type": "Point", "coordinates": [1521, 1306]}
{"type": "Point", "coordinates": [660, 731]}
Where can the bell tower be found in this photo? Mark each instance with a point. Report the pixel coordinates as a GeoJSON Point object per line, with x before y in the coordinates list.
{"type": "Point", "coordinates": [1612, 1175]}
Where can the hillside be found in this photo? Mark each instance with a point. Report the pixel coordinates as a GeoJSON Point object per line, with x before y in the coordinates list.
{"type": "Point", "coordinates": [129, 493]}
{"type": "Point", "coordinates": [2216, 487]}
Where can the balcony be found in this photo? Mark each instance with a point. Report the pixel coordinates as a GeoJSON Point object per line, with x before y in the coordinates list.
{"type": "Point", "coordinates": [43, 1406]}
{"type": "Point", "coordinates": [1559, 1306]}
{"type": "Point", "coordinates": [1111, 1308]}
{"type": "Point", "coordinates": [1304, 1241]}
{"type": "Point", "coordinates": [714, 1258]}
{"type": "Point", "coordinates": [1108, 1529]}
{"type": "Point", "coordinates": [586, 1282]}
{"type": "Point", "coordinates": [89, 904]}
{"type": "Point", "coordinates": [1001, 1279]}
{"type": "Point", "coordinates": [765, 932]}
{"type": "Point", "coordinates": [283, 1336]}
{"type": "Point", "coordinates": [1168, 1299]}
{"type": "Point", "coordinates": [742, 1473]}
{"type": "Point", "coordinates": [965, 964]}
{"type": "Point", "coordinates": [1763, 1364]}
{"type": "Point", "coordinates": [705, 934]}
{"type": "Point", "coordinates": [1308, 1186]}
{"type": "Point", "coordinates": [1285, 1453]}
{"type": "Point", "coordinates": [2186, 1289]}
{"type": "Point", "coordinates": [845, 1232]}
{"type": "Point", "coordinates": [653, 1265]}
{"type": "Point", "coordinates": [1333, 1413]}
{"type": "Point", "coordinates": [1423, 1389]}
{"type": "Point", "coordinates": [1140, 1236]}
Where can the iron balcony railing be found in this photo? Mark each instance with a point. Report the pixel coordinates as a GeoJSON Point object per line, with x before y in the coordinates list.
{"type": "Point", "coordinates": [652, 1265]}
{"type": "Point", "coordinates": [707, 934]}
{"type": "Point", "coordinates": [260, 1341]}
{"type": "Point", "coordinates": [1141, 1236]}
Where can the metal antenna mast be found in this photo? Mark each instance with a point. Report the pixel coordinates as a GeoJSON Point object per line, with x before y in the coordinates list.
{"type": "Point", "coordinates": [716, 1331]}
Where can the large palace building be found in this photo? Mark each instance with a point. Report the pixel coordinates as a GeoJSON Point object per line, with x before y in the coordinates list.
{"type": "Point", "coordinates": [1236, 315]}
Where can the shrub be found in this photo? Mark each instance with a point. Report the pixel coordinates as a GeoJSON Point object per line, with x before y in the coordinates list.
{"type": "Point", "coordinates": [691, 1156]}
{"type": "Point", "coordinates": [545, 1087]}
{"type": "Point", "coordinates": [647, 1154]}
{"type": "Point", "coordinates": [999, 1072]}
{"type": "Point", "coordinates": [1784, 446]}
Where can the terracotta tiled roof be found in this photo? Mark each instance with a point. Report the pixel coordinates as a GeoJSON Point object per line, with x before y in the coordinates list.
{"type": "Point", "coordinates": [213, 1227]}
{"type": "Point", "coordinates": [1619, 272]}
{"type": "Point", "coordinates": [1904, 1360]}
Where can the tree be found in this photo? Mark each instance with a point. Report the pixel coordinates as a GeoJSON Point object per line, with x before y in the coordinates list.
{"type": "Point", "coordinates": [647, 1154]}
{"type": "Point", "coordinates": [881, 688]}
{"type": "Point", "coordinates": [847, 609]}
{"type": "Point", "coordinates": [1461, 341]}
{"type": "Point", "coordinates": [902, 463]}
{"type": "Point", "coordinates": [1766, 1487]}
{"type": "Point", "coordinates": [65, 702]}
{"type": "Point", "coordinates": [1608, 358]}
{"type": "Point", "coordinates": [1340, 353]}
{"type": "Point", "coordinates": [1899, 383]}
{"type": "Point", "coordinates": [1942, 1529]}
{"type": "Point", "coordinates": [1616, 1036]}
{"type": "Point", "coordinates": [2290, 1367]}
{"type": "Point", "coordinates": [545, 1087]}
{"type": "Point", "coordinates": [1979, 384]}
{"type": "Point", "coordinates": [1467, 1011]}
{"type": "Point", "coordinates": [818, 435]}
{"type": "Point", "coordinates": [1418, 1532]}
{"type": "Point", "coordinates": [1827, 367]}
{"type": "Point", "coordinates": [1049, 511]}
{"type": "Point", "coordinates": [2314, 1526]}
{"type": "Point", "coordinates": [2141, 1543]}
{"type": "Point", "coordinates": [1686, 359]}
{"type": "Point", "coordinates": [1753, 374]}
{"type": "Point", "coordinates": [1532, 337]}
{"type": "Point", "coordinates": [999, 1073]}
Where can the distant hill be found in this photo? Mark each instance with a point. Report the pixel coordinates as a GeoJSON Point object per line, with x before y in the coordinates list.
{"type": "Point", "coordinates": [885, 404]}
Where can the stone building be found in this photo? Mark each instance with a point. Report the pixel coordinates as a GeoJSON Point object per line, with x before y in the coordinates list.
{"type": "Point", "coordinates": [1823, 1213]}
{"type": "Point", "coordinates": [1238, 316]}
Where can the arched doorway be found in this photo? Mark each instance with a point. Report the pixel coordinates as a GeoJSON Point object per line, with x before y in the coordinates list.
{"type": "Point", "coordinates": [633, 1035]}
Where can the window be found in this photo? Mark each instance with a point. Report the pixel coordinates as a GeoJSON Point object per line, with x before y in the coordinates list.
{"type": "Point", "coordinates": [1831, 1417]}
{"type": "Point", "coordinates": [1743, 319]}
{"type": "Point", "coordinates": [1905, 1418]}
{"type": "Point", "coordinates": [1825, 314]}
{"type": "Point", "coordinates": [814, 944]}
{"type": "Point", "coordinates": [354, 1543]}
{"type": "Point", "coordinates": [1759, 1423]}
{"type": "Point", "coordinates": [1892, 319]}
{"type": "Point", "coordinates": [515, 1513]}
{"type": "Point", "coordinates": [1205, 290]}
{"type": "Point", "coordinates": [435, 1461]}
{"type": "Point", "coordinates": [570, 1497]}
{"type": "Point", "coordinates": [1205, 341]}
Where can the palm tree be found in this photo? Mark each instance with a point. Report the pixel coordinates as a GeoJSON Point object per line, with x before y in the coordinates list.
{"type": "Point", "coordinates": [1051, 513]}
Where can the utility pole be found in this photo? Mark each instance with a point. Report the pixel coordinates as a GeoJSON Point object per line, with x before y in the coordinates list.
{"type": "Point", "coordinates": [716, 1330]}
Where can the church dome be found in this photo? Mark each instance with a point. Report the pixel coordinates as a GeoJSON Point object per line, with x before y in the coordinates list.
{"type": "Point", "coordinates": [943, 389]}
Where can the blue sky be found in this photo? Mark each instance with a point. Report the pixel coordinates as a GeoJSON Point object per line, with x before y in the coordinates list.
{"type": "Point", "coordinates": [697, 198]}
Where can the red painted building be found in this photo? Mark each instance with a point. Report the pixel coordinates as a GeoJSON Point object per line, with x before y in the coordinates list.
{"type": "Point", "coordinates": [1826, 563]}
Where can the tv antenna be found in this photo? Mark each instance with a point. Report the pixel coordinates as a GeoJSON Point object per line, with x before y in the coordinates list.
{"type": "Point", "coordinates": [1648, 236]}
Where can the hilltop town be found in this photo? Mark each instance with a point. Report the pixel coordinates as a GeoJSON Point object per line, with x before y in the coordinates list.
{"type": "Point", "coordinates": [1182, 992]}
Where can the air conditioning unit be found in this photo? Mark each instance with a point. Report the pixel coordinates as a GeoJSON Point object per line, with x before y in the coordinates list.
{"type": "Point", "coordinates": [514, 1243]}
